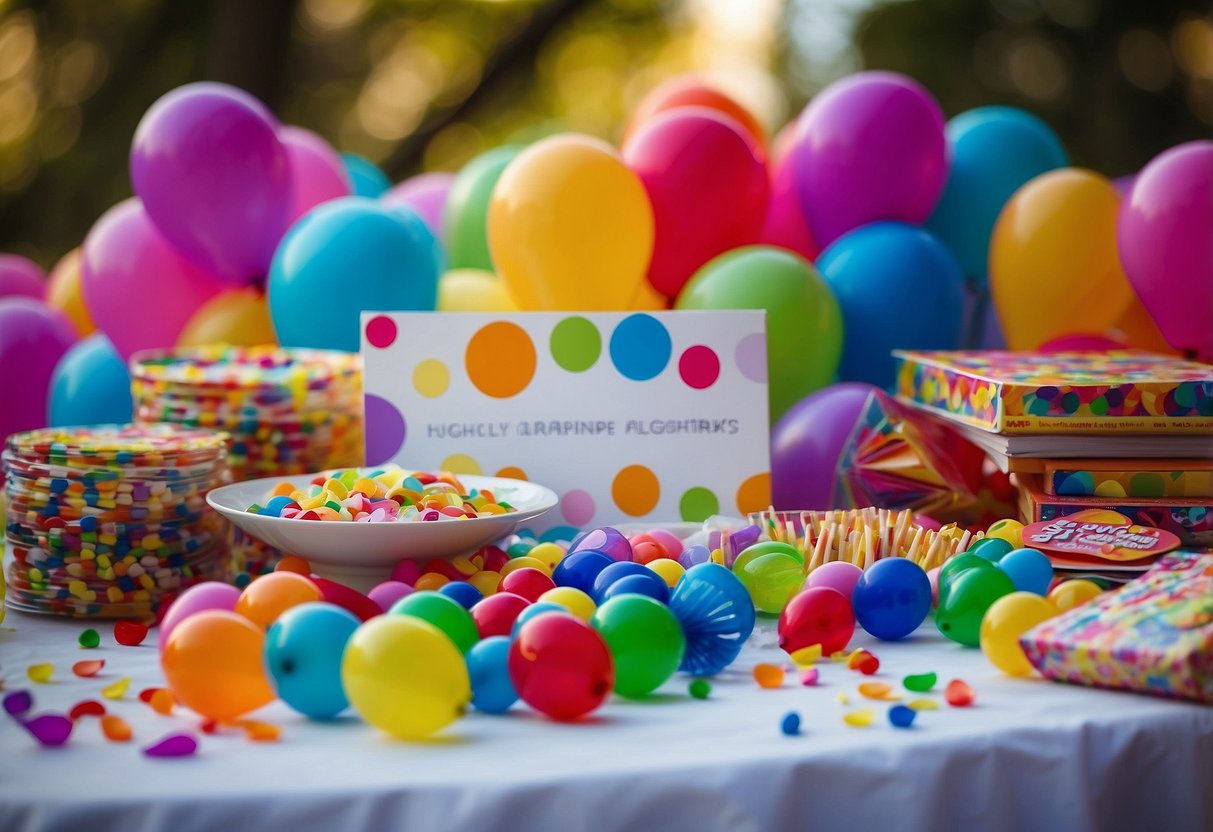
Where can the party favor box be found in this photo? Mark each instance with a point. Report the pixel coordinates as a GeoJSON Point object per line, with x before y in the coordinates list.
{"type": "Point", "coordinates": [1073, 392]}
{"type": "Point", "coordinates": [1154, 635]}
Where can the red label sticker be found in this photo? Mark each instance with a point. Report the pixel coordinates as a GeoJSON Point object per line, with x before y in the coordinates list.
{"type": "Point", "coordinates": [1099, 533]}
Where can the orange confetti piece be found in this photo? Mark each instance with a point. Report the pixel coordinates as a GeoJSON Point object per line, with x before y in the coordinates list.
{"type": "Point", "coordinates": [115, 728]}
{"type": "Point", "coordinates": [856, 658]}
{"type": "Point", "coordinates": [768, 675]}
{"type": "Point", "coordinates": [261, 731]}
{"type": "Point", "coordinates": [878, 690]}
{"type": "Point", "coordinates": [118, 689]}
{"type": "Point", "coordinates": [860, 719]}
{"type": "Point", "coordinates": [959, 694]}
{"type": "Point", "coordinates": [162, 701]}
{"type": "Point", "coordinates": [40, 673]}
{"type": "Point", "coordinates": [88, 669]}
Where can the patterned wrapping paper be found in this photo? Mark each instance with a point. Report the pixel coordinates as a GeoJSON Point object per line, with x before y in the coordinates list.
{"type": "Point", "coordinates": [1076, 392]}
{"type": "Point", "coordinates": [1153, 635]}
{"type": "Point", "coordinates": [1114, 479]}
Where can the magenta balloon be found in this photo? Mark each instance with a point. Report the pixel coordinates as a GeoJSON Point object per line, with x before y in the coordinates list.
{"type": "Point", "coordinates": [1081, 342]}
{"type": "Point", "coordinates": [21, 276]}
{"type": "Point", "coordinates": [208, 165]}
{"type": "Point", "coordinates": [870, 147]}
{"type": "Point", "coordinates": [33, 337]}
{"type": "Point", "coordinates": [426, 194]}
{"type": "Point", "coordinates": [209, 595]}
{"type": "Point", "coordinates": [1165, 237]}
{"type": "Point", "coordinates": [806, 442]}
{"type": "Point", "coordinates": [317, 173]}
{"type": "Point", "coordinates": [138, 289]}
{"type": "Point", "coordinates": [837, 574]}
{"type": "Point", "coordinates": [785, 225]}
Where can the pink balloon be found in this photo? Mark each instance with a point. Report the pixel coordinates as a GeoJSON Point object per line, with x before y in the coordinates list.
{"type": "Point", "coordinates": [21, 276]}
{"type": "Point", "coordinates": [426, 194]}
{"type": "Point", "coordinates": [317, 173]}
{"type": "Point", "coordinates": [870, 147]}
{"type": "Point", "coordinates": [137, 288]}
{"type": "Point", "coordinates": [837, 574]}
{"type": "Point", "coordinates": [1165, 237]}
{"type": "Point", "coordinates": [1081, 342]}
{"type": "Point", "coordinates": [785, 224]}
{"type": "Point", "coordinates": [209, 595]}
{"type": "Point", "coordinates": [33, 337]}
{"type": "Point", "coordinates": [708, 186]}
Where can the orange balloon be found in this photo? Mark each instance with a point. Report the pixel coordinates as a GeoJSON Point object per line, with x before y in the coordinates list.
{"type": "Point", "coordinates": [648, 299]}
{"type": "Point", "coordinates": [693, 91]}
{"type": "Point", "coordinates": [271, 595]}
{"type": "Point", "coordinates": [240, 317]}
{"type": "Point", "coordinates": [1137, 329]}
{"type": "Point", "coordinates": [214, 665]}
{"type": "Point", "coordinates": [63, 292]}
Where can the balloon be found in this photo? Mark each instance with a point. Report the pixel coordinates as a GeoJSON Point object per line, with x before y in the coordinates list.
{"type": "Point", "coordinates": [669, 570]}
{"type": "Point", "coordinates": [607, 540]}
{"type": "Point", "coordinates": [580, 568]}
{"type": "Point", "coordinates": [446, 614]}
{"type": "Point", "coordinates": [964, 601]}
{"type": "Point", "coordinates": [1163, 234]}
{"type": "Point", "coordinates": [1054, 269]}
{"type": "Point", "coordinates": [560, 666]}
{"type": "Point", "coordinates": [468, 207]}
{"type": "Point", "coordinates": [65, 293]}
{"type": "Point", "coordinates": [771, 580]}
{"type": "Point", "coordinates": [574, 600]}
{"type": "Point", "coordinates": [990, 548]}
{"type": "Point", "coordinates": [496, 614]}
{"type": "Point", "coordinates": [303, 652]}
{"type": "Point", "coordinates": [90, 386]}
{"type": "Point", "coordinates": [648, 299]}
{"type": "Point", "coordinates": [208, 595]}
{"type": "Point", "coordinates": [527, 582]}
{"type": "Point", "coordinates": [1005, 621]}
{"type": "Point", "coordinates": [804, 322]}
{"type": "Point", "coordinates": [1009, 530]}
{"type": "Point", "coordinates": [207, 163]}
{"type": "Point", "coordinates": [534, 611]}
{"type": "Point", "coordinates": [240, 317]}
{"type": "Point", "coordinates": [366, 177]}
{"type": "Point", "coordinates": [819, 615]}
{"type": "Point", "coordinates": [1028, 569]}
{"type": "Point", "coordinates": [806, 443]}
{"type": "Point", "coordinates": [785, 225]}
{"type": "Point", "coordinates": [892, 598]}
{"type": "Point", "coordinates": [348, 598]}
{"type": "Point", "coordinates": [313, 301]}
{"type": "Point", "coordinates": [1137, 329]}
{"type": "Point", "coordinates": [994, 151]}
{"type": "Point", "coordinates": [645, 640]}
{"type": "Point", "coordinates": [570, 227]}
{"type": "Point", "coordinates": [1073, 593]}
{"type": "Point", "coordinates": [612, 573]}
{"type": "Point", "coordinates": [707, 185]}
{"type": "Point", "coordinates": [20, 276]}
{"type": "Point", "coordinates": [213, 665]}
{"type": "Point", "coordinates": [463, 593]}
{"type": "Point", "coordinates": [428, 195]}
{"type": "Point", "coordinates": [959, 564]}
{"type": "Point", "coordinates": [405, 677]}
{"type": "Point", "coordinates": [765, 547]}
{"type": "Point", "coordinates": [1081, 342]}
{"type": "Point", "coordinates": [471, 290]}
{"type": "Point", "coordinates": [650, 585]}
{"type": "Point", "coordinates": [898, 288]}
{"type": "Point", "coordinates": [869, 147]}
{"type": "Point", "coordinates": [838, 575]}
{"type": "Point", "coordinates": [268, 597]}
{"type": "Point", "coordinates": [33, 339]}
{"type": "Point", "coordinates": [717, 617]}
{"type": "Point", "coordinates": [317, 172]}
{"type": "Point", "coordinates": [488, 667]}
{"type": "Point", "coordinates": [693, 91]}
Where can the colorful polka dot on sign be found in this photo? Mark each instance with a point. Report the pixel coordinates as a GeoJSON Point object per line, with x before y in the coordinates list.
{"type": "Point", "coordinates": [461, 464]}
{"type": "Point", "coordinates": [385, 430]}
{"type": "Point", "coordinates": [576, 344]}
{"type": "Point", "coordinates": [754, 494]}
{"type": "Point", "coordinates": [640, 347]}
{"type": "Point", "coordinates": [512, 472]}
{"type": "Point", "coordinates": [698, 504]}
{"type": "Point", "coordinates": [381, 331]}
{"type": "Point", "coordinates": [500, 359]}
{"type": "Point", "coordinates": [699, 367]}
{"type": "Point", "coordinates": [751, 357]}
{"type": "Point", "coordinates": [577, 506]}
{"type": "Point", "coordinates": [431, 378]}
{"type": "Point", "coordinates": [636, 490]}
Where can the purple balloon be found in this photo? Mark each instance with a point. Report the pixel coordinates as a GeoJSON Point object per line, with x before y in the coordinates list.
{"type": "Point", "coordinates": [21, 276]}
{"type": "Point", "coordinates": [607, 540]}
{"type": "Point", "coordinates": [806, 442]}
{"type": "Point", "coordinates": [208, 595]}
{"type": "Point", "coordinates": [33, 337]}
{"type": "Point", "coordinates": [1165, 236]}
{"type": "Point", "coordinates": [870, 147]}
{"type": "Point", "coordinates": [216, 180]}
{"type": "Point", "coordinates": [426, 194]}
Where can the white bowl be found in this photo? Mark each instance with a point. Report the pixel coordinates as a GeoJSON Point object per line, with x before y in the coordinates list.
{"type": "Point", "coordinates": [362, 555]}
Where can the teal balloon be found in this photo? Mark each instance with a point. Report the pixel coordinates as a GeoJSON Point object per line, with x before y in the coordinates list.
{"type": "Point", "coordinates": [804, 324]}
{"type": "Point", "coordinates": [995, 150]}
{"type": "Point", "coordinates": [91, 385]}
{"type": "Point", "coordinates": [465, 217]}
{"type": "Point", "coordinates": [968, 597]}
{"type": "Point", "coordinates": [368, 179]}
{"type": "Point", "coordinates": [346, 256]}
{"type": "Point", "coordinates": [990, 548]}
{"type": "Point", "coordinates": [303, 651]}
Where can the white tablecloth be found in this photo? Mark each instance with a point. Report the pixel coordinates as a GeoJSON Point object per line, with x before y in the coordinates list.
{"type": "Point", "coordinates": [1029, 755]}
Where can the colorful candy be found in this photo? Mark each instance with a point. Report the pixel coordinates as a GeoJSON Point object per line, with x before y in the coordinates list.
{"type": "Point", "coordinates": [89, 668]}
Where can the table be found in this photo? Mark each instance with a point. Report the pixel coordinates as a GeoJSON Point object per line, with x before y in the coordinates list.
{"type": "Point", "coordinates": [1028, 755]}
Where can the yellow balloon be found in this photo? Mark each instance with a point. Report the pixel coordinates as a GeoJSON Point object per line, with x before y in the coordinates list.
{"type": "Point", "coordinates": [1074, 593]}
{"type": "Point", "coordinates": [572, 599]}
{"type": "Point", "coordinates": [1005, 621]}
{"type": "Point", "coordinates": [63, 292]}
{"type": "Point", "coordinates": [1054, 267]}
{"type": "Point", "coordinates": [1137, 329]}
{"type": "Point", "coordinates": [549, 554]}
{"type": "Point", "coordinates": [570, 226]}
{"type": "Point", "coordinates": [648, 299]}
{"type": "Point", "coordinates": [405, 677]}
{"type": "Point", "coordinates": [473, 290]}
{"type": "Point", "coordinates": [669, 570]}
{"type": "Point", "coordinates": [240, 317]}
{"type": "Point", "coordinates": [1009, 530]}
{"type": "Point", "coordinates": [527, 562]}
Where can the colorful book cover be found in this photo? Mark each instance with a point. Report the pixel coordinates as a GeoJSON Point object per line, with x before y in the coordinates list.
{"type": "Point", "coordinates": [1074, 392]}
{"type": "Point", "coordinates": [1113, 479]}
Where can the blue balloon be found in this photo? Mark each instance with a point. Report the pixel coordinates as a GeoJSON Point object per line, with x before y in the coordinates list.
{"type": "Point", "coordinates": [891, 598]}
{"type": "Point", "coordinates": [303, 650]}
{"type": "Point", "coordinates": [580, 569]}
{"type": "Point", "coordinates": [345, 256]}
{"type": "Point", "coordinates": [617, 570]}
{"type": "Point", "coordinates": [91, 385]}
{"type": "Point", "coordinates": [368, 179]}
{"type": "Point", "coordinates": [898, 288]}
{"type": "Point", "coordinates": [488, 669]}
{"type": "Point", "coordinates": [1029, 570]}
{"type": "Point", "coordinates": [995, 150]}
{"type": "Point", "coordinates": [652, 585]}
{"type": "Point", "coordinates": [717, 616]}
{"type": "Point", "coordinates": [533, 611]}
{"type": "Point", "coordinates": [463, 592]}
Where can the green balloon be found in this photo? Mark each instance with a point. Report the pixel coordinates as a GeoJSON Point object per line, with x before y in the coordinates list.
{"type": "Point", "coordinates": [771, 579]}
{"type": "Point", "coordinates": [990, 548]}
{"type": "Point", "coordinates": [645, 640]}
{"type": "Point", "coordinates": [965, 604]}
{"type": "Point", "coordinates": [804, 323]}
{"type": "Point", "coordinates": [443, 612]}
{"type": "Point", "coordinates": [956, 566]}
{"type": "Point", "coordinates": [466, 215]}
{"type": "Point", "coordinates": [766, 547]}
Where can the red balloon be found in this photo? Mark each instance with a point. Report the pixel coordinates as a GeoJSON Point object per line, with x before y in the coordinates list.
{"type": "Point", "coordinates": [495, 615]}
{"type": "Point", "coordinates": [494, 558]}
{"type": "Point", "coordinates": [560, 666]}
{"type": "Point", "coordinates": [528, 582]}
{"type": "Point", "coordinates": [346, 598]}
{"type": "Point", "coordinates": [708, 186]}
{"type": "Point", "coordinates": [820, 615]}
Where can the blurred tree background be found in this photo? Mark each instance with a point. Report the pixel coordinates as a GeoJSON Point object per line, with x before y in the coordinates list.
{"type": "Point", "coordinates": [427, 84]}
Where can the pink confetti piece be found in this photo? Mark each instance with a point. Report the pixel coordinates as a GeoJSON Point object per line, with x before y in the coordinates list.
{"type": "Point", "coordinates": [173, 745]}
{"type": "Point", "coordinates": [809, 677]}
{"type": "Point", "coordinates": [50, 730]}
